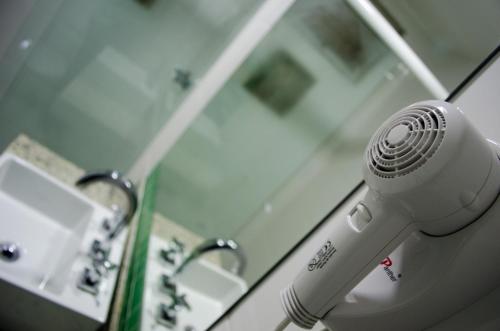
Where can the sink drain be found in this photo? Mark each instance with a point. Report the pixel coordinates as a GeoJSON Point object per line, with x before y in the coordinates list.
{"type": "Point", "coordinates": [9, 252]}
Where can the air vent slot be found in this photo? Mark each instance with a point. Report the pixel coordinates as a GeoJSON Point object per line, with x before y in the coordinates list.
{"type": "Point", "coordinates": [406, 142]}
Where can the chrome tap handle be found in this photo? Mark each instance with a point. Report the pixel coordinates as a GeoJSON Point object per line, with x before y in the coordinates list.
{"type": "Point", "coordinates": [91, 277]}
{"type": "Point", "coordinates": [99, 253]}
{"type": "Point", "coordinates": [174, 251]}
{"type": "Point", "coordinates": [167, 315]}
{"type": "Point", "coordinates": [115, 178]}
{"type": "Point", "coordinates": [168, 285]}
{"type": "Point", "coordinates": [180, 302]}
{"type": "Point", "coordinates": [89, 281]}
{"type": "Point", "coordinates": [103, 267]}
{"type": "Point", "coordinates": [177, 245]}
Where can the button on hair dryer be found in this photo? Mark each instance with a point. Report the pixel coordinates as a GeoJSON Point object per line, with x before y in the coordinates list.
{"type": "Point", "coordinates": [427, 169]}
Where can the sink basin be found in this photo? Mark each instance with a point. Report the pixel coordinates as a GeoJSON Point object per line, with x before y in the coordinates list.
{"type": "Point", "coordinates": [210, 290]}
{"type": "Point", "coordinates": [52, 227]}
{"type": "Point", "coordinates": [212, 282]}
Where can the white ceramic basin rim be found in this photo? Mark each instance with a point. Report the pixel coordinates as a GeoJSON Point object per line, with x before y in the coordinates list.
{"type": "Point", "coordinates": [53, 225]}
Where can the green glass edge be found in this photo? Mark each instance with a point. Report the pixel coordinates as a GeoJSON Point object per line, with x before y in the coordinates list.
{"type": "Point", "coordinates": [130, 316]}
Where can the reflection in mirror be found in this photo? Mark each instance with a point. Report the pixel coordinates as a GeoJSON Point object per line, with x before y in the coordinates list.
{"type": "Point", "coordinates": [92, 85]}
{"type": "Point", "coordinates": [288, 104]}
{"type": "Point", "coordinates": [94, 80]}
{"type": "Point", "coordinates": [273, 152]}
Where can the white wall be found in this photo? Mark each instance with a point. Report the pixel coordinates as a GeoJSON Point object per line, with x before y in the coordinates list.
{"type": "Point", "coordinates": [261, 310]}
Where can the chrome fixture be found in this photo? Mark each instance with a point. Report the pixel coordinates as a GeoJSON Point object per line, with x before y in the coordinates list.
{"type": "Point", "coordinates": [89, 281]}
{"type": "Point", "coordinates": [216, 244]}
{"type": "Point", "coordinates": [103, 267]}
{"type": "Point", "coordinates": [180, 302]}
{"type": "Point", "coordinates": [92, 275]}
{"type": "Point", "coordinates": [118, 215]}
{"type": "Point", "coordinates": [99, 253]}
{"type": "Point", "coordinates": [115, 178]}
{"type": "Point", "coordinates": [99, 250]}
{"type": "Point", "coordinates": [167, 285]}
{"type": "Point", "coordinates": [167, 313]}
{"type": "Point", "coordinates": [173, 252]}
{"type": "Point", "coordinates": [9, 252]}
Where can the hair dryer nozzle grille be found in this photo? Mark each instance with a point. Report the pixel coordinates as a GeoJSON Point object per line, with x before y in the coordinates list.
{"type": "Point", "coordinates": [406, 141]}
{"type": "Point", "coordinates": [295, 311]}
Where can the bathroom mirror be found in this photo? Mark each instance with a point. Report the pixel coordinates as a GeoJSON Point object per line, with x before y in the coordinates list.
{"type": "Point", "coordinates": [298, 103]}
{"type": "Point", "coordinates": [281, 144]}
{"type": "Point", "coordinates": [274, 148]}
{"type": "Point", "coordinates": [95, 81]}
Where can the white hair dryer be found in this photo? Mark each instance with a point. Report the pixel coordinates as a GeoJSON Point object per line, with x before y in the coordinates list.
{"type": "Point", "coordinates": [427, 170]}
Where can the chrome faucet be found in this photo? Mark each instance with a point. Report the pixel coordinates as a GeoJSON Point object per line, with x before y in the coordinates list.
{"type": "Point", "coordinates": [216, 244]}
{"type": "Point", "coordinates": [99, 253]}
{"type": "Point", "coordinates": [114, 178]}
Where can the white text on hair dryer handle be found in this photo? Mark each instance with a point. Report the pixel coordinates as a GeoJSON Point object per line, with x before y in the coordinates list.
{"type": "Point", "coordinates": [355, 246]}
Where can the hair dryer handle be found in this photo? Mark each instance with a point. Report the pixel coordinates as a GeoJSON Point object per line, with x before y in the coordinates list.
{"type": "Point", "coordinates": [356, 244]}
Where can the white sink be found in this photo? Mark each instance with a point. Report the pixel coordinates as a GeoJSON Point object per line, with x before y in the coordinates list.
{"type": "Point", "coordinates": [209, 289]}
{"type": "Point", "coordinates": [212, 282]}
{"type": "Point", "coordinates": [53, 226]}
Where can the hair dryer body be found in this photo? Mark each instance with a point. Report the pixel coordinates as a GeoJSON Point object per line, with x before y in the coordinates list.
{"type": "Point", "coordinates": [426, 280]}
{"type": "Point", "coordinates": [427, 169]}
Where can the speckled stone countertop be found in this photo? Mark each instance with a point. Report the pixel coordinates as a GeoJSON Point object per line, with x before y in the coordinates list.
{"type": "Point", "coordinates": [64, 170]}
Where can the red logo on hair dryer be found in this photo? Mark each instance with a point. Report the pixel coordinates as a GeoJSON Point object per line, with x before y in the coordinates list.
{"type": "Point", "coordinates": [387, 262]}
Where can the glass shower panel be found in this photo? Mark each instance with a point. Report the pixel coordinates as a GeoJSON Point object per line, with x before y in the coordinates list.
{"type": "Point", "coordinates": [298, 97]}
{"type": "Point", "coordinates": [95, 80]}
